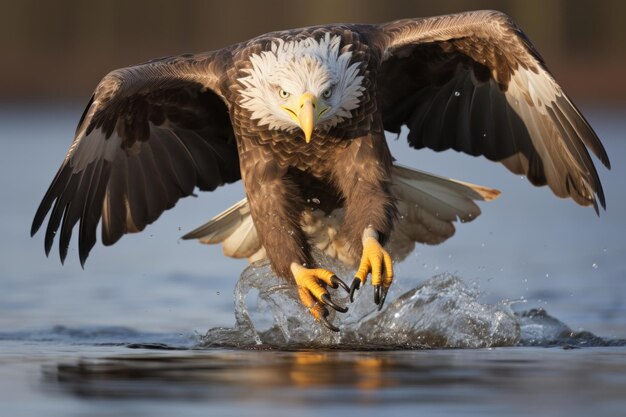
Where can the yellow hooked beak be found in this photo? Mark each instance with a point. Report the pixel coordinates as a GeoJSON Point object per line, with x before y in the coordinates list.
{"type": "Point", "coordinates": [306, 113]}
{"type": "Point", "coordinates": [307, 116]}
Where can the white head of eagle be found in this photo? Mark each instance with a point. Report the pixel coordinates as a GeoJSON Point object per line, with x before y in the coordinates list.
{"type": "Point", "coordinates": [307, 84]}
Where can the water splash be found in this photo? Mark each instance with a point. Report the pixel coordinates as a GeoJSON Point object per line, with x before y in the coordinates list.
{"type": "Point", "coordinates": [538, 328]}
{"type": "Point", "coordinates": [442, 312]}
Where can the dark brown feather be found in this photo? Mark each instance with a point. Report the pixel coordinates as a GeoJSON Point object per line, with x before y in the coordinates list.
{"type": "Point", "coordinates": [452, 81]}
{"type": "Point", "coordinates": [149, 135]}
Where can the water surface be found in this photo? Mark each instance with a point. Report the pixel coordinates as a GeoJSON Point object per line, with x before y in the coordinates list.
{"type": "Point", "coordinates": [126, 335]}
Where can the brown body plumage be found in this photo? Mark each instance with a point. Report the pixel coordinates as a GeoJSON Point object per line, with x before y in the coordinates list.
{"type": "Point", "coordinates": [470, 82]}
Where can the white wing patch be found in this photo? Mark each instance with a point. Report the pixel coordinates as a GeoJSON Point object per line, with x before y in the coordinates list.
{"type": "Point", "coordinates": [87, 148]}
{"type": "Point", "coordinates": [300, 66]}
{"type": "Point", "coordinates": [531, 95]}
{"type": "Point", "coordinates": [537, 89]}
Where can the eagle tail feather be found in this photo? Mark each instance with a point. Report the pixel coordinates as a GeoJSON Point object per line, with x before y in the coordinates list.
{"type": "Point", "coordinates": [427, 204]}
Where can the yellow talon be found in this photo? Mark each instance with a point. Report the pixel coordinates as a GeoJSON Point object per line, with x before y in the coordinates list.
{"type": "Point", "coordinates": [375, 260]}
{"type": "Point", "coordinates": [313, 294]}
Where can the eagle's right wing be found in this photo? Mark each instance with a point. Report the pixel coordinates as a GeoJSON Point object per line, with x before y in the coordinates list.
{"type": "Point", "coordinates": [150, 134]}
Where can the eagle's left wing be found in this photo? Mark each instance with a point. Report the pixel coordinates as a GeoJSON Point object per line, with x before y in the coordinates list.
{"type": "Point", "coordinates": [474, 83]}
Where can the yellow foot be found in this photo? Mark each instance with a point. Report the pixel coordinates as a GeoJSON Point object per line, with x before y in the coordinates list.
{"type": "Point", "coordinates": [313, 294]}
{"type": "Point", "coordinates": [376, 260]}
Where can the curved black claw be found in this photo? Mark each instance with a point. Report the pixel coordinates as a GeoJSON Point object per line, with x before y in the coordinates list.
{"type": "Point", "coordinates": [356, 284]}
{"type": "Point", "coordinates": [326, 323]}
{"type": "Point", "coordinates": [383, 297]}
{"type": "Point", "coordinates": [326, 299]}
{"type": "Point", "coordinates": [336, 282]}
{"type": "Point", "coordinates": [377, 293]}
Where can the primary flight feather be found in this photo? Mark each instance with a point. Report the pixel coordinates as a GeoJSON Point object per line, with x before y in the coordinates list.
{"type": "Point", "coordinates": [300, 116]}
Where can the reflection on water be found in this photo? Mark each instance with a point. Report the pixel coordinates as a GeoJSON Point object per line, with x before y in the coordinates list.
{"type": "Point", "coordinates": [330, 379]}
{"type": "Point", "coordinates": [228, 374]}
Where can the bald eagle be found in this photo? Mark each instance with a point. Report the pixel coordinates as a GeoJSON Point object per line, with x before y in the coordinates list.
{"type": "Point", "coordinates": [299, 116]}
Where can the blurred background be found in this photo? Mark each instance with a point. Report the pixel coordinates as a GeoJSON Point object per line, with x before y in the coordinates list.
{"type": "Point", "coordinates": [55, 50]}
{"type": "Point", "coordinates": [528, 246]}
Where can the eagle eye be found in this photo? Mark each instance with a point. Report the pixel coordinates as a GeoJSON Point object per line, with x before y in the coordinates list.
{"type": "Point", "coordinates": [283, 94]}
{"type": "Point", "coordinates": [327, 93]}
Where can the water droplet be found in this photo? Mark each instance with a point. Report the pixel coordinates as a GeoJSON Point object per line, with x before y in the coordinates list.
{"type": "Point", "coordinates": [547, 275]}
{"type": "Point", "coordinates": [180, 228]}
{"type": "Point", "coordinates": [604, 250]}
{"type": "Point", "coordinates": [457, 93]}
{"type": "Point", "coordinates": [482, 245]}
{"type": "Point", "coordinates": [218, 293]}
{"type": "Point", "coordinates": [594, 265]}
{"type": "Point", "coordinates": [315, 200]}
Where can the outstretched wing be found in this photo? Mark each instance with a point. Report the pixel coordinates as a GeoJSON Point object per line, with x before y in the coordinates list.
{"type": "Point", "coordinates": [150, 134]}
{"type": "Point", "coordinates": [474, 83]}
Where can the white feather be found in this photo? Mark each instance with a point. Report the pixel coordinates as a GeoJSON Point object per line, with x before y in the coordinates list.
{"type": "Point", "coordinates": [300, 66]}
{"type": "Point", "coordinates": [88, 148]}
{"type": "Point", "coordinates": [427, 205]}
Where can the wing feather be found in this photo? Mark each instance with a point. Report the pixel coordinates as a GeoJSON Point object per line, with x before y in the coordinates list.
{"type": "Point", "coordinates": [474, 82]}
{"type": "Point", "coordinates": [92, 211]}
{"type": "Point", "coordinates": [115, 205]}
{"type": "Point", "coordinates": [149, 135]}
